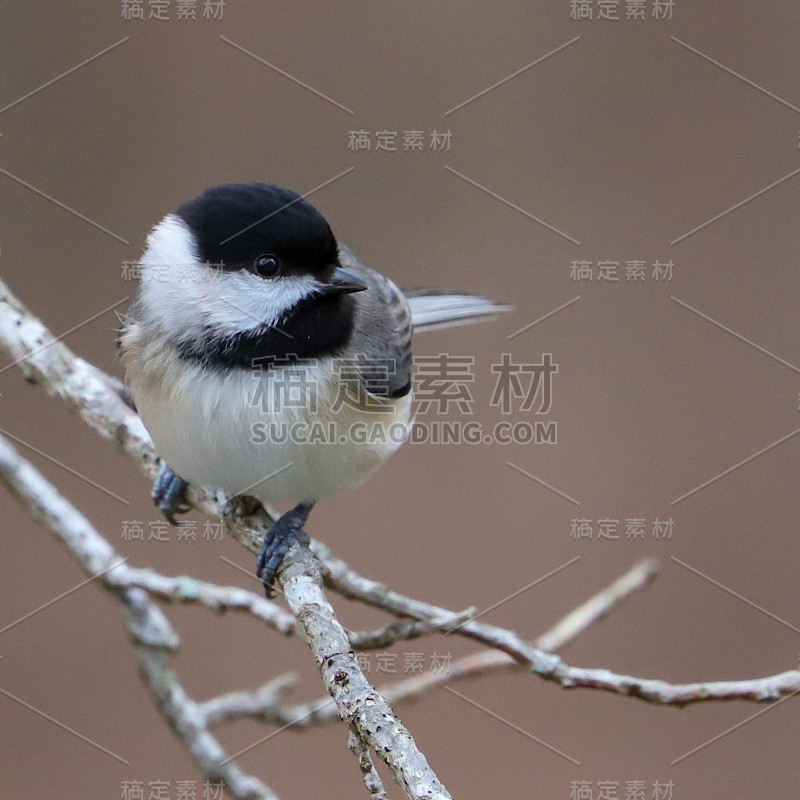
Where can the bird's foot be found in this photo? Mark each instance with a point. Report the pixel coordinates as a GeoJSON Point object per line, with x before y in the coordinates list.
{"type": "Point", "coordinates": [287, 531]}
{"type": "Point", "coordinates": [169, 493]}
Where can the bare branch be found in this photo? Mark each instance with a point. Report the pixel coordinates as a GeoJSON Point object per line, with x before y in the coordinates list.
{"type": "Point", "coordinates": [265, 703]}
{"type": "Point", "coordinates": [185, 589]}
{"type": "Point", "coordinates": [347, 582]}
{"type": "Point", "coordinates": [771, 688]}
{"type": "Point", "coordinates": [405, 631]}
{"type": "Point", "coordinates": [598, 606]}
{"type": "Point", "coordinates": [547, 665]}
{"type": "Point", "coordinates": [103, 403]}
{"type": "Point", "coordinates": [372, 780]}
{"type": "Point", "coordinates": [561, 634]}
{"type": "Point", "coordinates": [367, 714]}
{"type": "Point", "coordinates": [153, 637]}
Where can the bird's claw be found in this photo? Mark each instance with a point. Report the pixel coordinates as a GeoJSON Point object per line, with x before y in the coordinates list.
{"type": "Point", "coordinates": [169, 493]}
{"type": "Point", "coordinates": [288, 530]}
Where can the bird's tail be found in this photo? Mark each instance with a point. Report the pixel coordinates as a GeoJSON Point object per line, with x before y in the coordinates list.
{"type": "Point", "coordinates": [436, 309]}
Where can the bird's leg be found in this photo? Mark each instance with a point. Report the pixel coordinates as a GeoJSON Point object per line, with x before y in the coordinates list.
{"type": "Point", "coordinates": [280, 537]}
{"type": "Point", "coordinates": [169, 493]}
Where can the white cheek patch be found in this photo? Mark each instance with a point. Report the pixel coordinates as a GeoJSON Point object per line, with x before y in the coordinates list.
{"type": "Point", "coordinates": [241, 300]}
{"type": "Point", "coordinates": [182, 294]}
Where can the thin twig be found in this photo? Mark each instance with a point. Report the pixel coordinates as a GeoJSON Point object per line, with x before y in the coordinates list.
{"type": "Point", "coordinates": [266, 703]}
{"type": "Point", "coordinates": [598, 606]}
{"type": "Point", "coordinates": [549, 666]}
{"type": "Point", "coordinates": [402, 631]}
{"type": "Point", "coordinates": [185, 589]}
{"type": "Point", "coordinates": [553, 640]}
{"type": "Point", "coordinates": [372, 780]}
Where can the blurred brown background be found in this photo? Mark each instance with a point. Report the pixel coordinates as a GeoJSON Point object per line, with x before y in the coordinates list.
{"type": "Point", "coordinates": [625, 141]}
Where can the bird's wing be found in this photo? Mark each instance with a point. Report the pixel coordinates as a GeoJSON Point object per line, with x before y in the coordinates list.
{"type": "Point", "coordinates": [388, 316]}
{"type": "Point", "coordinates": [383, 327]}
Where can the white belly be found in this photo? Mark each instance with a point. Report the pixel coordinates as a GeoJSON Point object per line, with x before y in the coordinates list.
{"type": "Point", "coordinates": [248, 434]}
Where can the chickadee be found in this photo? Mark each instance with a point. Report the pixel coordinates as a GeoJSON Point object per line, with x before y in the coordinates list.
{"type": "Point", "coordinates": [246, 297]}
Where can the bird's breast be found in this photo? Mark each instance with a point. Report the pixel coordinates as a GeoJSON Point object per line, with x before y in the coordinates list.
{"type": "Point", "coordinates": [289, 433]}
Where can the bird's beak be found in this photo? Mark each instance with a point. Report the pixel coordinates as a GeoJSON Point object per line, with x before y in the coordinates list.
{"type": "Point", "coordinates": [343, 282]}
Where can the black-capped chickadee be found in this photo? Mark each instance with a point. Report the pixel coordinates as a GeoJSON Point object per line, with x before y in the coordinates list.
{"type": "Point", "coordinates": [250, 317]}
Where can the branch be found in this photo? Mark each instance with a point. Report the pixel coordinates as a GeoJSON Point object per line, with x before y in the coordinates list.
{"type": "Point", "coordinates": [364, 710]}
{"type": "Point", "coordinates": [185, 589]}
{"type": "Point", "coordinates": [94, 396]}
{"type": "Point", "coordinates": [347, 582]}
{"type": "Point", "coordinates": [549, 666]}
{"type": "Point", "coordinates": [598, 606]}
{"type": "Point", "coordinates": [265, 703]}
{"type": "Point", "coordinates": [151, 634]}
{"type": "Point", "coordinates": [104, 404]}
{"type": "Point", "coordinates": [406, 631]}
{"type": "Point", "coordinates": [372, 780]}
{"type": "Point", "coordinates": [561, 634]}
{"type": "Point", "coordinates": [86, 390]}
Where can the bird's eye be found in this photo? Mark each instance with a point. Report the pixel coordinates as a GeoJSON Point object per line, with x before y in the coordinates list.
{"type": "Point", "coordinates": [266, 266]}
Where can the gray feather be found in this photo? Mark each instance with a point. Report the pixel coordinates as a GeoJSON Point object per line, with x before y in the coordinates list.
{"type": "Point", "coordinates": [387, 316]}
{"type": "Point", "coordinates": [435, 310]}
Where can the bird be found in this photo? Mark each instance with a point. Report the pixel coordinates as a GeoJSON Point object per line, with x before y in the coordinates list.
{"type": "Point", "coordinates": [256, 346]}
